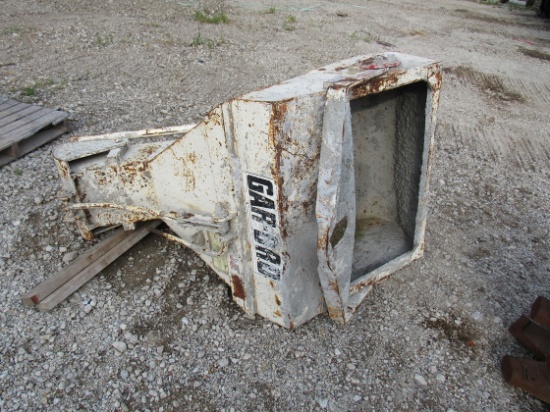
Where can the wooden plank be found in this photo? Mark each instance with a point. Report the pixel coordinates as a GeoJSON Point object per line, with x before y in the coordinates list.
{"type": "Point", "coordinates": [7, 103]}
{"type": "Point", "coordinates": [45, 288]}
{"type": "Point", "coordinates": [36, 112]}
{"type": "Point", "coordinates": [20, 115]}
{"type": "Point", "coordinates": [89, 272]}
{"type": "Point", "coordinates": [30, 128]}
{"type": "Point", "coordinates": [13, 151]}
{"type": "Point", "coordinates": [42, 137]}
{"type": "Point", "coordinates": [11, 107]}
{"type": "Point", "coordinates": [29, 144]}
{"type": "Point", "coordinates": [54, 290]}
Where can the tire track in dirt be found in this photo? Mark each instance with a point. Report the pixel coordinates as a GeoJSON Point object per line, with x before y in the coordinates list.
{"type": "Point", "coordinates": [506, 89]}
{"type": "Point", "coordinates": [497, 142]}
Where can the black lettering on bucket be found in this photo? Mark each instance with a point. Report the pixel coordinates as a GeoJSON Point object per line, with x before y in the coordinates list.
{"type": "Point", "coordinates": [264, 229]}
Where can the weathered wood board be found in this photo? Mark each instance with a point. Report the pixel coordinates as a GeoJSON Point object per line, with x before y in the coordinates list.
{"type": "Point", "coordinates": [25, 127]}
{"type": "Point", "coordinates": [54, 290]}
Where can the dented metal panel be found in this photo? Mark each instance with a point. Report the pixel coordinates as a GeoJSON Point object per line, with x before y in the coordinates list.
{"type": "Point", "coordinates": [336, 204]}
{"type": "Point", "coordinates": [265, 188]}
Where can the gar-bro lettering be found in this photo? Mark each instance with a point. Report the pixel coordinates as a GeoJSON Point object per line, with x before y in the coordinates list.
{"type": "Point", "coordinates": [264, 226]}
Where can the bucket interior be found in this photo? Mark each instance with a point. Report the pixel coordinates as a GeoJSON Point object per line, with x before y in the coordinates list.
{"type": "Point", "coordinates": [388, 139]}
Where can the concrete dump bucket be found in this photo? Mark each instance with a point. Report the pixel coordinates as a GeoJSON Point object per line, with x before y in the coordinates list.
{"type": "Point", "coordinates": [299, 196]}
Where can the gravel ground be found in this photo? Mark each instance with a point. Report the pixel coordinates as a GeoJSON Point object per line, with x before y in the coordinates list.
{"type": "Point", "coordinates": [157, 331]}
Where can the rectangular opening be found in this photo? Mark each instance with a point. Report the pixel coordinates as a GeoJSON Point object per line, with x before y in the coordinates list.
{"type": "Point", "coordinates": [388, 140]}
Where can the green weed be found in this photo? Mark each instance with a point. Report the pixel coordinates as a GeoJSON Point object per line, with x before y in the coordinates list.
{"type": "Point", "coordinates": [103, 41]}
{"type": "Point", "coordinates": [30, 90]}
{"type": "Point", "coordinates": [271, 10]}
{"type": "Point", "coordinates": [215, 19]}
{"type": "Point", "coordinates": [290, 23]}
{"type": "Point", "coordinates": [10, 30]}
{"type": "Point", "coordinates": [197, 39]}
{"type": "Point", "coordinates": [34, 88]}
{"type": "Point", "coordinates": [213, 43]}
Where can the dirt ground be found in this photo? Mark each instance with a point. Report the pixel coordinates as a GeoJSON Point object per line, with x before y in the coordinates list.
{"type": "Point", "coordinates": [430, 338]}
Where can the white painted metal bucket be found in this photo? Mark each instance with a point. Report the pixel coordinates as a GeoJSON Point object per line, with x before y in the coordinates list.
{"type": "Point", "coordinates": [300, 196]}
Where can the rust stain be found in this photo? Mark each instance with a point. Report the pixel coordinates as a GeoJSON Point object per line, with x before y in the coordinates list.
{"type": "Point", "coordinates": [189, 177]}
{"type": "Point", "coordinates": [334, 313]}
{"type": "Point", "coordinates": [275, 130]}
{"type": "Point", "coordinates": [192, 158]}
{"type": "Point", "coordinates": [126, 173]}
{"type": "Point", "coordinates": [63, 168]}
{"type": "Point", "coordinates": [149, 150]}
{"type": "Point", "coordinates": [291, 325]}
{"type": "Point", "coordinates": [334, 286]}
{"type": "Point", "coordinates": [367, 283]}
{"type": "Point", "coordinates": [308, 204]}
{"type": "Point", "coordinates": [277, 300]}
{"type": "Point", "coordinates": [238, 288]}
{"type": "Point", "coordinates": [436, 73]}
{"type": "Point", "coordinates": [376, 84]}
{"type": "Point", "coordinates": [278, 313]}
{"type": "Point", "coordinates": [214, 117]}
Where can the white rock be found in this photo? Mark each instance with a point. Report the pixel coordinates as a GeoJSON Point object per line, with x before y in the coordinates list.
{"type": "Point", "coordinates": [223, 362]}
{"type": "Point", "coordinates": [131, 338]}
{"type": "Point", "coordinates": [119, 346]}
{"type": "Point", "coordinates": [440, 378]}
{"type": "Point", "coordinates": [323, 403]}
{"type": "Point", "coordinates": [69, 257]}
{"type": "Point", "coordinates": [420, 380]}
{"type": "Point", "coordinates": [124, 374]}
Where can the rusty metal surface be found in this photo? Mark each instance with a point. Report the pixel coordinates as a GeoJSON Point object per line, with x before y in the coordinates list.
{"type": "Point", "coordinates": [252, 188]}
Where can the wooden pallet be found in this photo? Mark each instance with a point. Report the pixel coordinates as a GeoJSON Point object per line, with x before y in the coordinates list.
{"type": "Point", "coordinates": [54, 290]}
{"type": "Point", "coordinates": [24, 127]}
